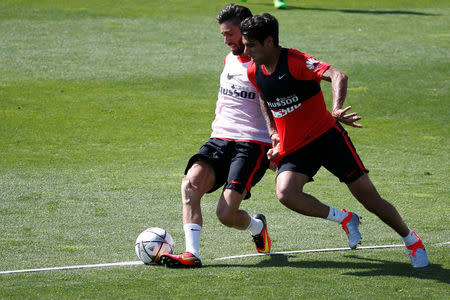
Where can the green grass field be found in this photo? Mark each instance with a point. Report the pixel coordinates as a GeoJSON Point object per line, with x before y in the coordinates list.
{"type": "Point", "coordinates": [103, 102]}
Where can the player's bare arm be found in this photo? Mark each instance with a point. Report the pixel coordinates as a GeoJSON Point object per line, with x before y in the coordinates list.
{"type": "Point", "coordinates": [271, 127]}
{"type": "Point", "coordinates": [267, 115]}
{"type": "Point", "coordinates": [339, 89]}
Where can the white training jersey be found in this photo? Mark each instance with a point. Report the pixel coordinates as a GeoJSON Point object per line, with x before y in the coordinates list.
{"type": "Point", "coordinates": [238, 114]}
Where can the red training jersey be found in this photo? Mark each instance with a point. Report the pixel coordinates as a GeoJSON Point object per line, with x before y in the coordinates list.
{"type": "Point", "coordinates": [294, 97]}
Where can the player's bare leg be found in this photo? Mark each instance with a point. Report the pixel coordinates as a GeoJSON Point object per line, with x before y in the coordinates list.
{"type": "Point", "coordinates": [199, 179]}
{"type": "Point", "coordinates": [290, 193]}
{"type": "Point", "coordinates": [230, 215]}
{"type": "Point", "coordinates": [366, 193]}
{"type": "Point", "coordinates": [228, 210]}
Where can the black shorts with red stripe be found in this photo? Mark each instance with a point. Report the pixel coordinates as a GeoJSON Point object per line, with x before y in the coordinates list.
{"type": "Point", "coordinates": [237, 165]}
{"type": "Point", "coordinates": [334, 150]}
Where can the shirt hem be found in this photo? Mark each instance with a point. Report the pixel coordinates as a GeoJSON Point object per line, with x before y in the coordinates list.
{"type": "Point", "coordinates": [242, 140]}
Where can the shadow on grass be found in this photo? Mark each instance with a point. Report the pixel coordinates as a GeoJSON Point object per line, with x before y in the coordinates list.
{"type": "Point", "coordinates": [364, 267]}
{"type": "Point", "coordinates": [356, 11]}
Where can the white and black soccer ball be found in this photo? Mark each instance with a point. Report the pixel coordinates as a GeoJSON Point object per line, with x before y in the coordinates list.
{"type": "Point", "coordinates": [152, 243]}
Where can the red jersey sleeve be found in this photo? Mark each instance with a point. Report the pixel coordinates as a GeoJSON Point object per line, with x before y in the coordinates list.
{"type": "Point", "coordinates": [251, 74]}
{"type": "Point", "coordinates": [305, 67]}
{"type": "Point", "coordinates": [225, 58]}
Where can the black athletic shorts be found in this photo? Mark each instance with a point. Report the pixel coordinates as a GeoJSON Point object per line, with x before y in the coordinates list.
{"type": "Point", "coordinates": [333, 150]}
{"type": "Point", "coordinates": [237, 165]}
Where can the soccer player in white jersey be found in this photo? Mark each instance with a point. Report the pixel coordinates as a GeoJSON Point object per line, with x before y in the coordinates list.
{"type": "Point", "coordinates": [233, 158]}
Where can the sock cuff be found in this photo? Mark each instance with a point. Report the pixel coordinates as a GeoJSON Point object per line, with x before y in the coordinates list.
{"type": "Point", "coordinates": [411, 238]}
{"type": "Point", "coordinates": [192, 235]}
{"type": "Point", "coordinates": [255, 227]}
{"type": "Point", "coordinates": [336, 215]}
{"type": "Point", "coordinates": [192, 226]}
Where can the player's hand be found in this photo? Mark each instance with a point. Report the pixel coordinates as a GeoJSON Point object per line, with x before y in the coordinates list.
{"type": "Point", "coordinates": [347, 119]}
{"type": "Point", "coordinates": [275, 139]}
{"type": "Point", "coordinates": [273, 152]}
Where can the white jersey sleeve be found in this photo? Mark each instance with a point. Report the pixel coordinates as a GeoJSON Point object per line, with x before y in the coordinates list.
{"type": "Point", "coordinates": [238, 114]}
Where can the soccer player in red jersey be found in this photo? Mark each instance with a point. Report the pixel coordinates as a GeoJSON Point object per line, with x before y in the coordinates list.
{"type": "Point", "coordinates": [306, 136]}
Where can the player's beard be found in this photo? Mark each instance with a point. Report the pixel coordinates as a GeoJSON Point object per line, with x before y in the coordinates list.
{"type": "Point", "coordinates": [239, 50]}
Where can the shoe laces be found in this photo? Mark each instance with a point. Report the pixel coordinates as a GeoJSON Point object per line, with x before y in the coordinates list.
{"type": "Point", "coordinates": [258, 239]}
{"type": "Point", "coordinates": [414, 247]}
{"type": "Point", "coordinates": [346, 220]}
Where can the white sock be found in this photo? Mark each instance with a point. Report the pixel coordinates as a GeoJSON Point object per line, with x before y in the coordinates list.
{"type": "Point", "coordinates": [336, 215]}
{"type": "Point", "coordinates": [192, 235]}
{"type": "Point", "coordinates": [256, 226]}
{"type": "Point", "coordinates": [410, 239]}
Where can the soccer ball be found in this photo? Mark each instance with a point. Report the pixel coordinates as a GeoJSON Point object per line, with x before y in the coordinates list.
{"type": "Point", "coordinates": [153, 242]}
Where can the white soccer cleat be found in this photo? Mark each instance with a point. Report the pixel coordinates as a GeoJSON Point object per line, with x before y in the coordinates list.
{"type": "Point", "coordinates": [350, 225]}
{"type": "Point", "coordinates": [417, 254]}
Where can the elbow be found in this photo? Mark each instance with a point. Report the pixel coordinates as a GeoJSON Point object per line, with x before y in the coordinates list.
{"type": "Point", "coordinates": [342, 77]}
{"type": "Point", "coordinates": [341, 80]}
{"type": "Point", "coordinates": [335, 75]}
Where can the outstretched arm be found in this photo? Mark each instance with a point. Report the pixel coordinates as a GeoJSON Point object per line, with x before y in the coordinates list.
{"type": "Point", "coordinates": [339, 88]}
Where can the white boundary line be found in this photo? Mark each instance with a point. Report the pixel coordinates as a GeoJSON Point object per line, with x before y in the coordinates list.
{"type": "Point", "coordinates": [133, 263]}
{"type": "Point", "coordinates": [308, 251]}
{"type": "Point", "coordinates": [117, 264]}
{"type": "Point", "coordinates": [443, 244]}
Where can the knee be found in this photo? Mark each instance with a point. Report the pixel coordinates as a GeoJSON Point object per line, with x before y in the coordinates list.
{"type": "Point", "coordinates": [225, 217]}
{"type": "Point", "coordinates": [190, 190]}
{"type": "Point", "coordinates": [284, 194]}
{"type": "Point", "coordinates": [199, 179]}
{"type": "Point", "coordinates": [188, 184]}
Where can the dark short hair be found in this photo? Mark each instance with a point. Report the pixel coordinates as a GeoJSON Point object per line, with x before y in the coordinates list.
{"type": "Point", "coordinates": [259, 27]}
{"type": "Point", "coordinates": [234, 13]}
